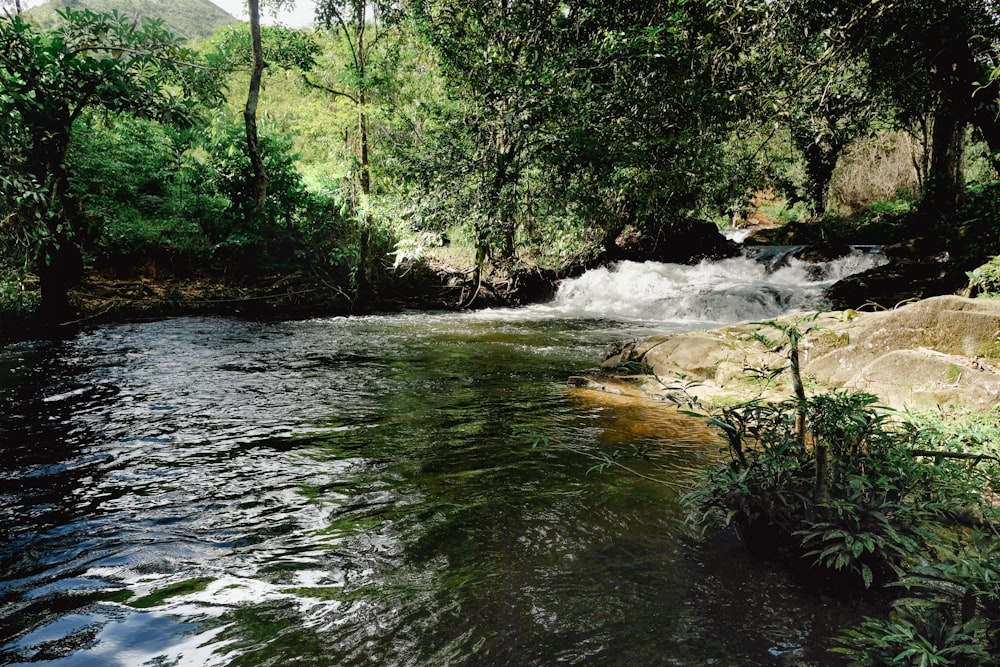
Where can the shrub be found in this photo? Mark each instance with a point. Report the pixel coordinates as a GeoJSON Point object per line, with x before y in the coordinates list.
{"type": "Point", "coordinates": [985, 280]}
{"type": "Point", "coordinates": [948, 612]}
{"type": "Point", "coordinates": [146, 193]}
{"type": "Point", "coordinates": [875, 169]}
{"type": "Point", "coordinates": [852, 529]}
{"type": "Point", "coordinates": [243, 237]}
{"type": "Point", "coordinates": [976, 234]}
{"type": "Point", "coordinates": [17, 301]}
{"type": "Point", "coordinates": [902, 503]}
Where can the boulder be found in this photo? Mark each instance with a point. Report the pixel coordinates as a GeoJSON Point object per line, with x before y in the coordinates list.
{"type": "Point", "coordinates": [939, 352]}
{"type": "Point", "coordinates": [896, 282]}
{"type": "Point", "coordinates": [682, 241]}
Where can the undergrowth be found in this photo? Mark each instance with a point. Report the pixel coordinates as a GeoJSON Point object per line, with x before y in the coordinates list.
{"type": "Point", "coordinates": [855, 498]}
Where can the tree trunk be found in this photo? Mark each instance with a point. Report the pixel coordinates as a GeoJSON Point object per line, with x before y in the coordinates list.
{"type": "Point", "coordinates": [820, 164]}
{"type": "Point", "coordinates": [362, 57]}
{"type": "Point", "coordinates": [250, 112]}
{"type": "Point", "coordinates": [945, 176]}
{"type": "Point", "coordinates": [366, 280]}
{"type": "Point", "coordinates": [59, 263]}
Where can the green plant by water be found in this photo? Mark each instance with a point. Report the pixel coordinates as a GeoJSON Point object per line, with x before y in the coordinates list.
{"type": "Point", "coordinates": [855, 497]}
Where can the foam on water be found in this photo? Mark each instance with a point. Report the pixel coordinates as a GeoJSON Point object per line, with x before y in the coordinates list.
{"type": "Point", "coordinates": [723, 291]}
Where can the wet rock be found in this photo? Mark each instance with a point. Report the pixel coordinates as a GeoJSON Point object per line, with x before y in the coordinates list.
{"type": "Point", "coordinates": [792, 233]}
{"type": "Point", "coordinates": [894, 283]}
{"type": "Point", "coordinates": [916, 250]}
{"type": "Point", "coordinates": [819, 253]}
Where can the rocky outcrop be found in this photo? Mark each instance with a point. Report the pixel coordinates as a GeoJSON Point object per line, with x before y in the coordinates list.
{"type": "Point", "coordinates": [942, 351]}
{"type": "Point", "coordinates": [916, 270]}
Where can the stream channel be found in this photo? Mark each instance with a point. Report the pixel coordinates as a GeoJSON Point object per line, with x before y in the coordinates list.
{"type": "Point", "coordinates": [408, 489]}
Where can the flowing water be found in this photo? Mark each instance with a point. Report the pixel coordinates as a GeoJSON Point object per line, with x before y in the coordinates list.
{"type": "Point", "coordinates": [410, 489]}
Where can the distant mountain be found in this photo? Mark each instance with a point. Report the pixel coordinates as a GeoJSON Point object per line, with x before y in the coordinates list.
{"type": "Point", "coordinates": [190, 19]}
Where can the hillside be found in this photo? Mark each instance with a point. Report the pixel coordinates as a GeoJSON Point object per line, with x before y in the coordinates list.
{"type": "Point", "coordinates": [190, 19]}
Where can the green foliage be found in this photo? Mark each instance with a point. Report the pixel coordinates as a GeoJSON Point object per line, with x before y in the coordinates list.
{"type": "Point", "coordinates": [985, 280]}
{"type": "Point", "coordinates": [883, 508]}
{"type": "Point", "coordinates": [17, 301]}
{"type": "Point", "coordinates": [47, 82]}
{"type": "Point", "coordinates": [948, 612]}
{"type": "Point", "coordinates": [190, 19]}
{"type": "Point", "coordinates": [298, 230]}
{"type": "Point", "coordinates": [151, 198]}
{"type": "Point", "coordinates": [975, 234]}
{"type": "Point", "coordinates": [903, 503]}
{"type": "Point", "coordinates": [921, 59]}
{"type": "Point", "coordinates": [242, 235]}
{"type": "Point", "coordinates": [608, 460]}
{"type": "Point", "coordinates": [282, 48]}
{"type": "Point", "coordinates": [851, 428]}
{"type": "Point", "coordinates": [857, 534]}
{"type": "Point", "coordinates": [571, 114]}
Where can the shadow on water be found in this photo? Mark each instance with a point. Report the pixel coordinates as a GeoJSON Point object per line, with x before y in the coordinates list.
{"type": "Point", "coordinates": [360, 492]}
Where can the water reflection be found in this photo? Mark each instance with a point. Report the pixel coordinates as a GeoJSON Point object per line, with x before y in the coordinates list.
{"type": "Point", "coordinates": [351, 492]}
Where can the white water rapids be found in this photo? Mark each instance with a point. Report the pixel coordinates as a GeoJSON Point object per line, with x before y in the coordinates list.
{"type": "Point", "coordinates": [765, 282]}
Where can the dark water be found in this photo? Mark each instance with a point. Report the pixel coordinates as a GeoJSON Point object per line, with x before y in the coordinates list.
{"type": "Point", "coordinates": [377, 491]}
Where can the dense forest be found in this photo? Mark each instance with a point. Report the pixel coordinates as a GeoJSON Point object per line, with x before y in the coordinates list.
{"type": "Point", "coordinates": [458, 153]}
{"type": "Point", "coordinates": [530, 136]}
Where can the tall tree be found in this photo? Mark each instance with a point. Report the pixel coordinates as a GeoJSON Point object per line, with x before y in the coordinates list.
{"type": "Point", "coordinates": [361, 27]}
{"type": "Point", "coordinates": [250, 110]}
{"type": "Point", "coordinates": [925, 58]}
{"type": "Point", "coordinates": [622, 106]}
{"type": "Point", "coordinates": [94, 61]}
{"type": "Point", "coordinates": [824, 102]}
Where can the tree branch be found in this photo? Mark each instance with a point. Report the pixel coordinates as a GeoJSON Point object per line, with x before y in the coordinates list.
{"type": "Point", "coordinates": [319, 86]}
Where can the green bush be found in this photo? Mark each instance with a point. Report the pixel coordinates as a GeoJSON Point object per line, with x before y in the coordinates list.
{"type": "Point", "coordinates": [852, 500]}
{"type": "Point", "coordinates": [985, 280]}
{"type": "Point", "coordinates": [948, 612]}
{"type": "Point", "coordinates": [145, 192]}
{"type": "Point", "coordinates": [17, 301]}
{"type": "Point", "coordinates": [852, 530]}
{"type": "Point", "coordinates": [976, 235]}
{"type": "Point", "coordinates": [243, 237]}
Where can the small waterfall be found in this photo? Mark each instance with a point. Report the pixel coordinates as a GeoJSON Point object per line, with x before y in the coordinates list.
{"type": "Point", "coordinates": [765, 282]}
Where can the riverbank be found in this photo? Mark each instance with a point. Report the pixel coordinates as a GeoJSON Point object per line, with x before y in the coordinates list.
{"type": "Point", "coordinates": [442, 282]}
{"type": "Point", "coordinates": [103, 297]}
{"type": "Point", "coordinates": [939, 353]}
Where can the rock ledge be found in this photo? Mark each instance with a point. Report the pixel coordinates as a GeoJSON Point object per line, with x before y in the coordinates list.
{"type": "Point", "coordinates": [939, 352]}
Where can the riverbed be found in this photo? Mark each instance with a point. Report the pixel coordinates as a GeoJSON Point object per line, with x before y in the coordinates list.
{"type": "Point", "coordinates": [406, 489]}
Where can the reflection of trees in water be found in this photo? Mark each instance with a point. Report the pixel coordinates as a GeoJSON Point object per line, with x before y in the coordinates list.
{"type": "Point", "coordinates": [50, 482]}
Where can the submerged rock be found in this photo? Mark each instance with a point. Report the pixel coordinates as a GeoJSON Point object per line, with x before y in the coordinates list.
{"type": "Point", "coordinates": [942, 351]}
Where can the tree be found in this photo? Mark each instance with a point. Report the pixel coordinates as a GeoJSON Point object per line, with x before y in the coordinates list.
{"type": "Point", "coordinates": [824, 101]}
{"type": "Point", "coordinates": [250, 110]}
{"type": "Point", "coordinates": [503, 60]}
{"type": "Point", "coordinates": [261, 47]}
{"type": "Point", "coordinates": [924, 58]}
{"type": "Point", "coordinates": [360, 25]}
{"type": "Point", "coordinates": [617, 109]}
{"type": "Point", "coordinates": [47, 80]}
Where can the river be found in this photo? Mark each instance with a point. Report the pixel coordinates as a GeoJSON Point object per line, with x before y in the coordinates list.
{"type": "Point", "coordinates": [408, 489]}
